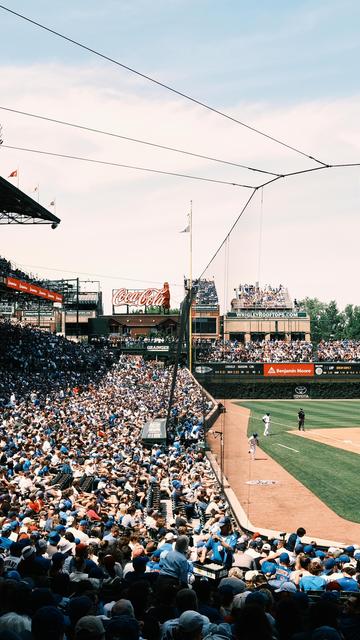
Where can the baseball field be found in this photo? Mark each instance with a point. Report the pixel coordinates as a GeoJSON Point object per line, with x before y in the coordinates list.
{"type": "Point", "coordinates": [324, 458]}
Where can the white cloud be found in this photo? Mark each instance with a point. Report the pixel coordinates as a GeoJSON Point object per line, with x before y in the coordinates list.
{"type": "Point", "coordinates": [126, 223]}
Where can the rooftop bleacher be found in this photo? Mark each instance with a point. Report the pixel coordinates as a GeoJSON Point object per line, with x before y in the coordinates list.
{"type": "Point", "coordinates": [206, 294]}
{"type": "Point", "coordinates": [253, 297]}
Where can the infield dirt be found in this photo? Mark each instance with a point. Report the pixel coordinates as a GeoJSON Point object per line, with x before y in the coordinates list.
{"type": "Point", "coordinates": [286, 504]}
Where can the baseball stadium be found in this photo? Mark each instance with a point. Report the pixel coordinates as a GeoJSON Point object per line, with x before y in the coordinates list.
{"type": "Point", "coordinates": [178, 447]}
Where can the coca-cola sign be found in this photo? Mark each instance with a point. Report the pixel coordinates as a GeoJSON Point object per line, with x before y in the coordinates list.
{"type": "Point", "coordinates": [142, 297]}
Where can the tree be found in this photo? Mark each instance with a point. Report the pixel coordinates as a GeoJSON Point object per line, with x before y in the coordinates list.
{"type": "Point", "coordinates": [331, 323]}
{"type": "Point", "coordinates": [352, 322]}
{"type": "Point", "coordinates": [315, 308]}
{"type": "Point", "coordinates": [327, 322]}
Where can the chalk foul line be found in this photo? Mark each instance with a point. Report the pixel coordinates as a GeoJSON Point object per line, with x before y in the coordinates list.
{"type": "Point", "coordinates": [285, 447]}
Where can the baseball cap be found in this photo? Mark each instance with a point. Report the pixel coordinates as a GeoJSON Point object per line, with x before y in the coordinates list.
{"type": "Point", "coordinates": [191, 620]}
{"type": "Point", "coordinates": [235, 584]}
{"type": "Point", "coordinates": [250, 575]}
{"type": "Point", "coordinates": [343, 558]}
{"type": "Point", "coordinates": [239, 600]}
{"type": "Point", "coordinates": [13, 575]}
{"type": "Point", "coordinates": [290, 587]}
{"type": "Point", "coordinates": [91, 625]}
{"type": "Point", "coordinates": [170, 536]}
{"type": "Point", "coordinates": [60, 528]}
{"type": "Point", "coordinates": [308, 548]}
{"type": "Point", "coordinates": [54, 538]}
{"type": "Point", "coordinates": [268, 567]}
{"type": "Point", "coordinates": [224, 520]}
{"type": "Point", "coordinates": [266, 547]}
{"type": "Point", "coordinates": [350, 549]}
{"type": "Point", "coordinates": [330, 564]}
{"type": "Point", "coordinates": [320, 554]}
{"type": "Point", "coordinates": [27, 552]}
{"type": "Point", "coordinates": [284, 557]}
{"type": "Point", "coordinates": [41, 544]}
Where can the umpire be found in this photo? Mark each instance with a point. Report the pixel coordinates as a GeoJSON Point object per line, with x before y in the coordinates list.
{"type": "Point", "coordinates": [301, 417]}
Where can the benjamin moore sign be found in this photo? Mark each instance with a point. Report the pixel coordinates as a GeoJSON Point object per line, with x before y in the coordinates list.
{"type": "Point", "coordinates": [288, 369]}
{"type": "Point", "coordinates": [281, 369]}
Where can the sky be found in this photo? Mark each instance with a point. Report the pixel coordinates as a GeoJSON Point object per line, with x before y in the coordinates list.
{"type": "Point", "coordinates": [287, 68]}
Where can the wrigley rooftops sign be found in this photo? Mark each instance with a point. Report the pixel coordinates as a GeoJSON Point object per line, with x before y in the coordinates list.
{"type": "Point", "coordinates": [268, 314]}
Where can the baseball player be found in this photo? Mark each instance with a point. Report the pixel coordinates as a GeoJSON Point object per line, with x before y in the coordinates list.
{"type": "Point", "coordinates": [301, 417]}
{"type": "Point", "coordinates": [267, 423]}
{"type": "Point", "coordinates": [253, 442]}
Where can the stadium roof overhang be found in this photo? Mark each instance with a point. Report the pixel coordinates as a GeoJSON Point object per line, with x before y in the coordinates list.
{"type": "Point", "coordinates": [18, 208]}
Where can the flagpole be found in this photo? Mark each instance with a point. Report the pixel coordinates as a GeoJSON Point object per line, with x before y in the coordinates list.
{"type": "Point", "coordinates": [190, 288]}
{"type": "Point", "coordinates": [38, 193]}
{"type": "Point", "coordinates": [18, 177]}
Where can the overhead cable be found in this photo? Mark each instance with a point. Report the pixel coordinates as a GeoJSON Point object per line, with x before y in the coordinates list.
{"type": "Point", "coordinates": [126, 166]}
{"type": "Point", "coordinates": [137, 140]}
{"type": "Point", "coordinates": [160, 84]}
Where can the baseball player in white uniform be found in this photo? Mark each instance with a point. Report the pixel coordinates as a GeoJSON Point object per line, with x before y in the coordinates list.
{"type": "Point", "coordinates": [267, 423]}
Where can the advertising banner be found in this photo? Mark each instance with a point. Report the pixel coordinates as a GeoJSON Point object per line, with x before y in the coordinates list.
{"type": "Point", "coordinates": [142, 297]}
{"type": "Point", "coordinates": [233, 369]}
{"type": "Point", "coordinates": [289, 369]}
{"type": "Point", "coordinates": [301, 392]}
{"type": "Point", "coordinates": [337, 369]}
{"type": "Point", "coordinates": [33, 289]}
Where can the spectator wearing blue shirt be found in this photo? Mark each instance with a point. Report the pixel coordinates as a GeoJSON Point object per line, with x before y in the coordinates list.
{"type": "Point", "coordinates": [221, 544]}
{"type": "Point", "coordinates": [314, 581]}
{"type": "Point", "coordinates": [348, 582]}
{"type": "Point", "coordinates": [175, 566]}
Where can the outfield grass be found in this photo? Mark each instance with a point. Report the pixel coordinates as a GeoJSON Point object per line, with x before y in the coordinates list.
{"type": "Point", "coordinates": [331, 473]}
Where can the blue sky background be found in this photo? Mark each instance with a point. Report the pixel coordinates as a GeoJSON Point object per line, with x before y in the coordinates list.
{"type": "Point", "coordinates": [290, 68]}
{"type": "Point", "coordinates": [283, 50]}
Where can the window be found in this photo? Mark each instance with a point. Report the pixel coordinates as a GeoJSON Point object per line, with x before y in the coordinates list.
{"type": "Point", "coordinates": [204, 325]}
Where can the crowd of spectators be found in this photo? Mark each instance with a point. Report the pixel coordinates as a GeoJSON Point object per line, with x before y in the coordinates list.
{"type": "Point", "coordinates": [103, 538]}
{"type": "Point", "coordinates": [207, 350]}
{"type": "Point", "coordinates": [252, 351]}
{"type": "Point", "coordinates": [10, 270]}
{"type": "Point", "coordinates": [251, 295]}
{"type": "Point", "coordinates": [35, 360]}
{"type": "Point", "coordinates": [206, 293]}
{"type": "Point", "coordinates": [338, 350]}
